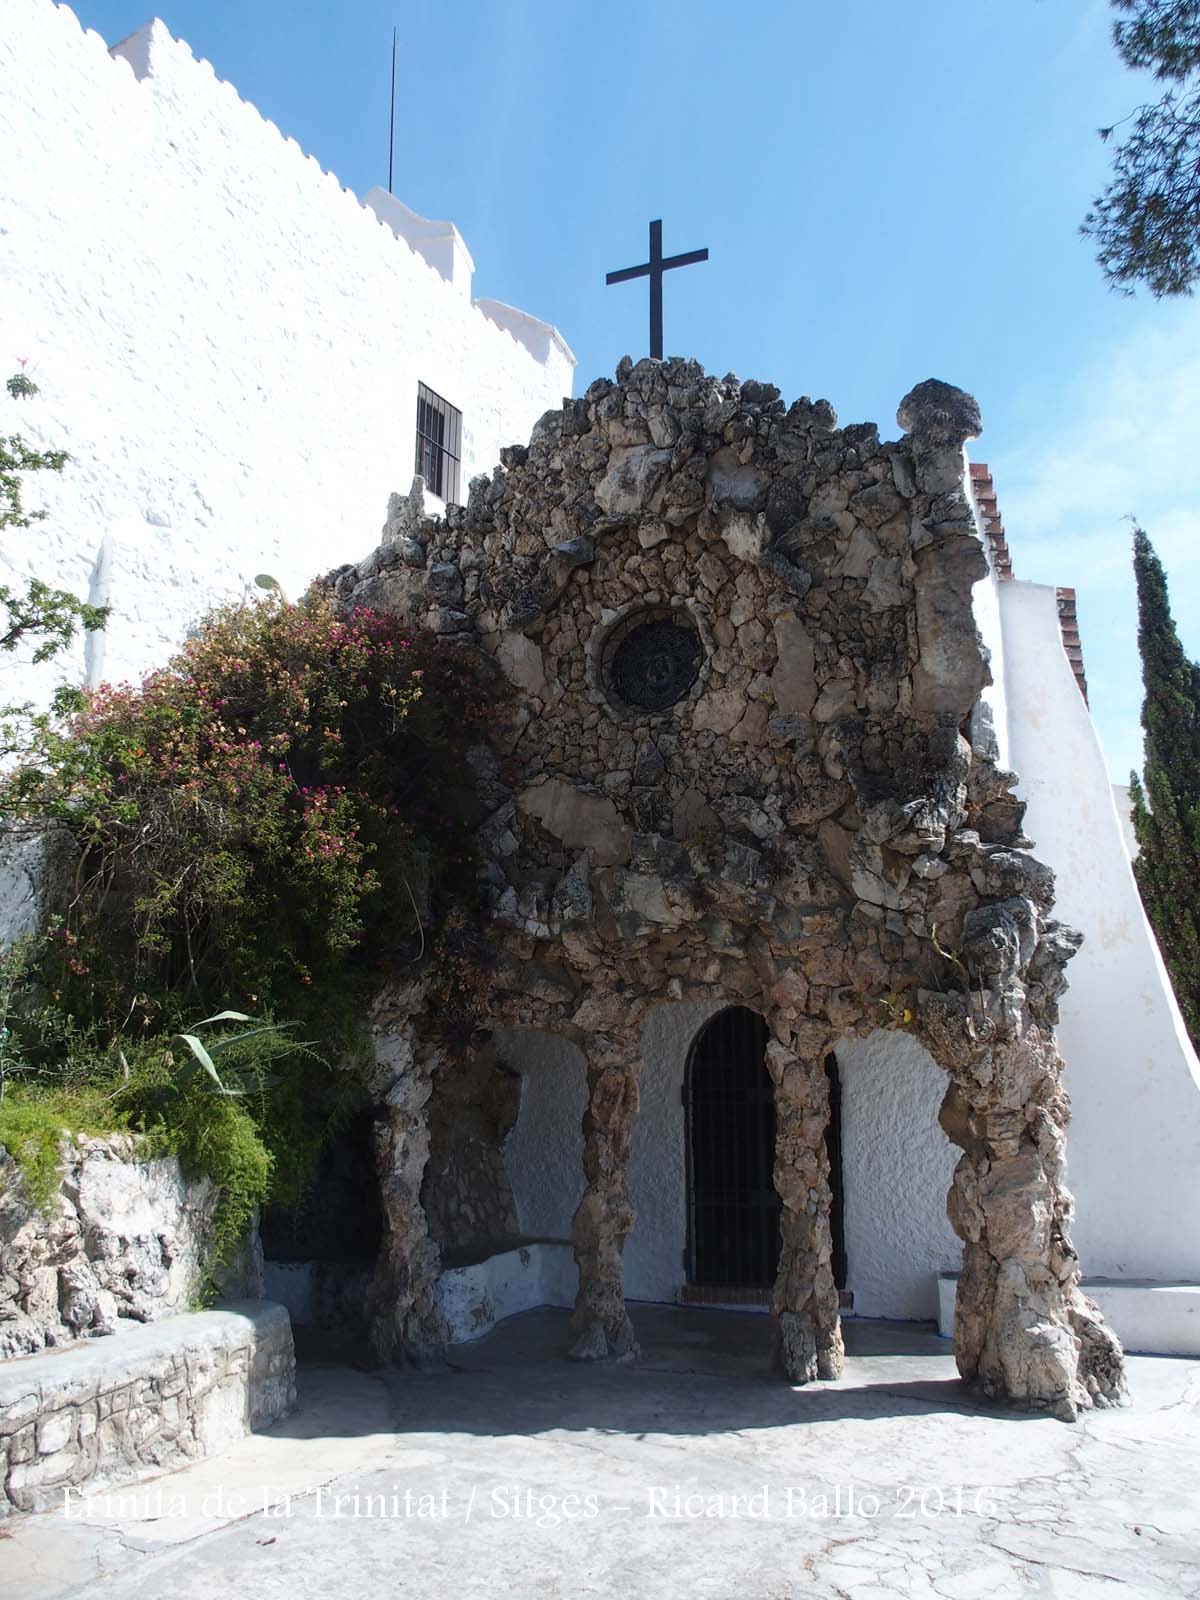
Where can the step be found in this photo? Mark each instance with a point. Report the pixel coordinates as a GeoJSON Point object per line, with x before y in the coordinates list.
{"type": "Point", "coordinates": [1150, 1316]}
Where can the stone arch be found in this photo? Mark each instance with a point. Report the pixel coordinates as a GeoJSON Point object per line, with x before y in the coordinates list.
{"type": "Point", "coordinates": [821, 830]}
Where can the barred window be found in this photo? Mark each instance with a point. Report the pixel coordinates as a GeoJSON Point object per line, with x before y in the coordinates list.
{"type": "Point", "coordinates": [439, 443]}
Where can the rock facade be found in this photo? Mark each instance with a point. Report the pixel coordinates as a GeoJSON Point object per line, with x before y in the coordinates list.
{"type": "Point", "coordinates": [124, 1245]}
{"type": "Point", "coordinates": [745, 759]}
{"type": "Point", "coordinates": [100, 1416]}
{"type": "Point", "coordinates": [466, 1194]}
{"type": "Point", "coordinates": [404, 1323]}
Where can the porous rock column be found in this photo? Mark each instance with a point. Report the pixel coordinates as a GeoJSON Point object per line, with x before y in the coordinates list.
{"type": "Point", "coordinates": [600, 1325]}
{"type": "Point", "coordinates": [1024, 1332]}
{"type": "Point", "coordinates": [403, 1322]}
{"type": "Point", "coordinates": [808, 1331]}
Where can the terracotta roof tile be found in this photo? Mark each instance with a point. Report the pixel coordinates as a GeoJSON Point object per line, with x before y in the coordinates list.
{"type": "Point", "coordinates": [984, 491]}
{"type": "Point", "coordinates": [1068, 621]}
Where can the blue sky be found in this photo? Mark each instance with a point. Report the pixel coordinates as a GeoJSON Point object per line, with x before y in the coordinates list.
{"type": "Point", "coordinates": [889, 192]}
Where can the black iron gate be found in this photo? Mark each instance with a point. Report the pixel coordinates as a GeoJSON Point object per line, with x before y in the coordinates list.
{"type": "Point", "coordinates": [733, 1221]}
{"type": "Point", "coordinates": [833, 1148]}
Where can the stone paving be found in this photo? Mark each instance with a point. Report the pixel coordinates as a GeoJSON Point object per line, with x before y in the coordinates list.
{"type": "Point", "coordinates": [692, 1474]}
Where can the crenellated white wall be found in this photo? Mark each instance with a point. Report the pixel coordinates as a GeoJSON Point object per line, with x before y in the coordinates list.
{"type": "Point", "coordinates": [1133, 1147]}
{"type": "Point", "coordinates": [226, 340]}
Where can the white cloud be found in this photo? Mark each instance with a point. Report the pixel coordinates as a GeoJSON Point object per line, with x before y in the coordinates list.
{"type": "Point", "coordinates": [1126, 441]}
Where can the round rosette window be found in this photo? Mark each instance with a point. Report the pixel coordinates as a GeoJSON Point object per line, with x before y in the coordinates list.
{"type": "Point", "coordinates": [652, 659]}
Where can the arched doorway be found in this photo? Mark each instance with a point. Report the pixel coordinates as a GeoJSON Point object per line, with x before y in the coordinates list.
{"type": "Point", "coordinates": [733, 1207]}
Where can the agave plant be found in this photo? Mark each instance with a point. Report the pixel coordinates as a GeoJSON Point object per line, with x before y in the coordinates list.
{"type": "Point", "coordinates": [235, 1082]}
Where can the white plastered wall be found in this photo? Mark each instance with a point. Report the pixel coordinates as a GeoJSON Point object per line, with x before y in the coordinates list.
{"type": "Point", "coordinates": [897, 1162]}
{"type": "Point", "coordinates": [543, 1153]}
{"type": "Point", "coordinates": [1133, 1147]}
{"type": "Point", "coordinates": [985, 600]}
{"type": "Point", "coordinates": [654, 1266]}
{"type": "Point", "coordinates": [896, 1170]}
{"type": "Point", "coordinates": [227, 342]}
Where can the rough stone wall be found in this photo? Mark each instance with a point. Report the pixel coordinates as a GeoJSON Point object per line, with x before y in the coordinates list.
{"type": "Point", "coordinates": [745, 762]}
{"type": "Point", "coordinates": [466, 1194]}
{"type": "Point", "coordinates": [97, 1417]}
{"type": "Point", "coordinates": [404, 1323]}
{"type": "Point", "coordinates": [124, 1245]}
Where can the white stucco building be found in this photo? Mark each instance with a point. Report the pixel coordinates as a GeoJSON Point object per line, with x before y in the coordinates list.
{"type": "Point", "coordinates": [1132, 1074]}
{"type": "Point", "coordinates": [227, 341]}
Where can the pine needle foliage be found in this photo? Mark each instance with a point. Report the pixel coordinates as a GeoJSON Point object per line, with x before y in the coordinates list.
{"type": "Point", "coordinates": [1146, 224]}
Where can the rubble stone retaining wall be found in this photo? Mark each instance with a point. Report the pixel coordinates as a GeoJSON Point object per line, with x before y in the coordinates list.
{"type": "Point", "coordinates": [108, 1414]}
{"type": "Point", "coordinates": [125, 1244]}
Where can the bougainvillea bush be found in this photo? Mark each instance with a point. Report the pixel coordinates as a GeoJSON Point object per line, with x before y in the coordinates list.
{"type": "Point", "coordinates": [275, 822]}
{"type": "Point", "coordinates": [262, 816]}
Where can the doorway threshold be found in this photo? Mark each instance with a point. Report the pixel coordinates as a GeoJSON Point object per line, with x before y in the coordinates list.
{"type": "Point", "coordinates": [741, 1296]}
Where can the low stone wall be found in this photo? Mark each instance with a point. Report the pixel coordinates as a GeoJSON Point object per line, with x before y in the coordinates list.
{"type": "Point", "coordinates": [103, 1415]}
{"type": "Point", "coordinates": [124, 1245]}
{"type": "Point", "coordinates": [475, 1297]}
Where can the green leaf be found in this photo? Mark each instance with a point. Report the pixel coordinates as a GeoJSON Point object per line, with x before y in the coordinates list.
{"type": "Point", "coordinates": [249, 1033]}
{"type": "Point", "coordinates": [221, 1016]}
{"type": "Point", "coordinates": [206, 1061]}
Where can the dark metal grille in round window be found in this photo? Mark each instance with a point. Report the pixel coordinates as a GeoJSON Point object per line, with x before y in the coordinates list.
{"type": "Point", "coordinates": [655, 664]}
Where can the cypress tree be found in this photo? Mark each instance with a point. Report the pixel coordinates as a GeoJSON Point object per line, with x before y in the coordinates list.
{"type": "Point", "coordinates": [1166, 809]}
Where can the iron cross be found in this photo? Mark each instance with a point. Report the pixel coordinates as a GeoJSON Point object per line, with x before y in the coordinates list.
{"type": "Point", "coordinates": [654, 269]}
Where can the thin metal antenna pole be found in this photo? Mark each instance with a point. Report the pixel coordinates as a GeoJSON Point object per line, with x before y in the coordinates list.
{"type": "Point", "coordinates": [392, 122]}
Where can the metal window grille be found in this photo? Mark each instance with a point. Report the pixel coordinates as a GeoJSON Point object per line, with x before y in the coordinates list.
{"type": "Point", "coordinates": [734, 1220]}
{"type": "Point", "coordinates": [439, 443]}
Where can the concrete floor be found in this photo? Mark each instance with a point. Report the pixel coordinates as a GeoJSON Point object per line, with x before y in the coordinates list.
{"type": "Point", "coordinates": [693, 1474]}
